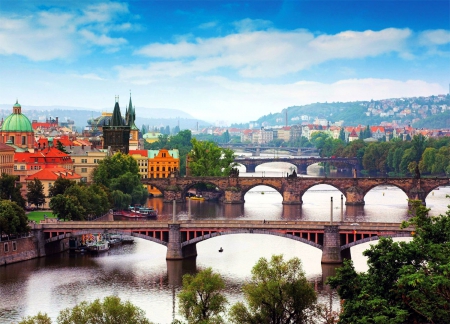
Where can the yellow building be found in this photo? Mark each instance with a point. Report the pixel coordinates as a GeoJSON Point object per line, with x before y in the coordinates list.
{"type": "Point", "coordinates": [161, 164]}
{"type": "Point", "coordinates": [151, 137]}
{"type": "Point", "coordinates": [142, 161]}
{"type": "Point", "coordinates": [85, 160]}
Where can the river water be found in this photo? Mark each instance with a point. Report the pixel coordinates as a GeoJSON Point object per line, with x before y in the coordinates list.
{"type": "Point", "coordinates": [140, 273]}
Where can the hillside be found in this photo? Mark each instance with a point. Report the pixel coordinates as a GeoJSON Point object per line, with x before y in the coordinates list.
{"type": "Point", "coordinates": [427, 112]}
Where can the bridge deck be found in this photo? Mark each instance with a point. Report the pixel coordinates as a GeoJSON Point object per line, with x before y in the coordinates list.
{"type": "Point", "coordinates": [225, 224]}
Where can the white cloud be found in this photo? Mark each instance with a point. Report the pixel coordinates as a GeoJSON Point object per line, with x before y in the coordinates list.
{"type": "Point", "coordinates": [273, 53]}
{"type": "Point", "coordinates": [434, 37]}
{"type": "Point", "coordinates": [249, 25]}
{"type": "Point", "coordinates": [58, 34]}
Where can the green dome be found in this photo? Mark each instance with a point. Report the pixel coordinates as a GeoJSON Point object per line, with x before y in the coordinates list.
{"type": "Point", "coordinates": [16, 123]}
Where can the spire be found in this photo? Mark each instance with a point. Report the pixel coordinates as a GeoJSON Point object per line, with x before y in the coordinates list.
{"type": "Point", "coordinates": [131, 114]}
{"type": "Point", "coordinates": [116, 119]}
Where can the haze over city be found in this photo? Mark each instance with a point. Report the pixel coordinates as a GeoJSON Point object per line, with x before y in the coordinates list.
{"type": "Point", "coordinates": [221, 60]}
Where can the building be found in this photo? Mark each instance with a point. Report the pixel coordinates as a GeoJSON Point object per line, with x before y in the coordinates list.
{"type": "Point", "coordinates": [16, 129]}
{"type": "Point", "coordinates": [116, 135]}
{"type": "Point", "coordinates": [85, 159]}
{"type": "Point", "coordinates": [48, 176]}
{"type": "Point", "coordinates": [130, 118]}
{"type": "Point", "coordinates": [141, 157]}
{"type": "Point", "coordinates": [6, 159]}
{"type": "Point", "coordinates": [161, 164]}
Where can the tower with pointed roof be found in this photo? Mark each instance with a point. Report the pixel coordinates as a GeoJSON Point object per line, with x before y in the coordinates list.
{"type": "Point", "coordinates": [130, 118]}
{"type": "Point", "coordinates": [116, 135]}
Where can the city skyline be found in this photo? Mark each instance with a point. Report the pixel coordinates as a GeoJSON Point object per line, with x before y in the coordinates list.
{"type": "Point", "coordinates": [221, 60]}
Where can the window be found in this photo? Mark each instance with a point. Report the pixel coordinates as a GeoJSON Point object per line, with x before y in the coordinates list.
{"type": "Point", "coordinates": [22, 167]}
{"type": "Point", "coordinates": [151, 169]}
{"type": "Point", "coordinates": [164, 155]}
{"type": "Point", "coordinates": [83, 160]}
{"type": "Point", "coordinates": [6, 247]}
{"type": "Point", "coordinates": [15, 167]}
{"type": "Point", "coordinates": [24, 140]}
{"type": "Point", "coordinates": [163, 169]}
{"type": "Point", "coordinates": [83, 170]}
{"type": "Point", "coordinates": [157, 168]}
{"type": "Point", "coordinates": [14, 246]}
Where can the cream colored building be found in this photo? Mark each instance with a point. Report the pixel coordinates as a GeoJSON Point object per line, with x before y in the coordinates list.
{"type": "Point", "coordinates": [85, 160]}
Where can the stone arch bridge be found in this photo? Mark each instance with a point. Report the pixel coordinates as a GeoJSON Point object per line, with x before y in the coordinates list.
{"type": "Point", "coordinates": [180, 238]}
{"type": "Point", "coordinates": [233, 189]}
{"type": "Point", "coordinates": [301, 163]}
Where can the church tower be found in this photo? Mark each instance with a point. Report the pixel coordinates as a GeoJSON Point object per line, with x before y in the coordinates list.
{"type": "Point", "coordinates": [130, 118]}
{"type": "Point", "coordinates": [117, 134]}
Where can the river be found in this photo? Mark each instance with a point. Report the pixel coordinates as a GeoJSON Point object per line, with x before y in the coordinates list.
{"type": "Point", "coordinates": [140, 273]}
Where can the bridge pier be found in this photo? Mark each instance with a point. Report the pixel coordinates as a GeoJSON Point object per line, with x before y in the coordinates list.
{"type": "Point", "coordinates": [174, 249]}
{"type": "Point", "coordinates": [171, 195]}
{"type": "Point", "coordinates": [331, 252]}
{"type": "Point", "coordinates": [233, 195]}
{"type": "Point", "coordinates": [250, 168]}
{"type": "Point", "coordinates": [354, 196]}
{"type": "Point", "coordinates": [302, 168]}
{"type": "Point", "coordinates": [417, 194]}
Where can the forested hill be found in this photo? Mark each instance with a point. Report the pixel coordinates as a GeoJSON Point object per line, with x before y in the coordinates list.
{"type": "Point", "coordinates": [427, 112]}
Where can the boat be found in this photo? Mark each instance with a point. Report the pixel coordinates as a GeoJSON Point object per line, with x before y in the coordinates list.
{"type": "Point", "coordinates": [148, 212]}
{"type": "Point", "coordinates": [127, 240]}
{"type": "Point", "coordinates": [221, 250]}
{"type": "Point", "coordinates": [99, 247]}
{"type": "Point", "coordinates": [198, 198]}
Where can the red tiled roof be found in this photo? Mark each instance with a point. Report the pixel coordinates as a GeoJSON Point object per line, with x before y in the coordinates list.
{"type": "Point", "coordinates": [140, 152]}
{"type": "Point", "coordinates": [51, 174]}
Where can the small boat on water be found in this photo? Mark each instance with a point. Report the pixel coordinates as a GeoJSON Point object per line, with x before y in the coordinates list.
{"type": "Point", "coordinates": [137, 211]}
{"type": "Point", "coordinates": [198, 197]}
{"type": "Point", "coordinates": [98, 247]}
{"type": "Point", "coordinates": [127, 240]}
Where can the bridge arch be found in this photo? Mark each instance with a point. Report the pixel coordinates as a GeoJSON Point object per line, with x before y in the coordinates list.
{"type": "Point", "coordinates": [387, 183]}
{"type": "Point", "coordinates": [122, 232]}
{"type": "Point", "coordinates": [247, 189]}
{"type": "Point", "coordinates": [432, 188]}
{"type": "Point", "coordinates": [341, 190]}
{"type": "Point", "coordinates": [249, 231]}
{"type": "Point", "coordinates": [193, 184]}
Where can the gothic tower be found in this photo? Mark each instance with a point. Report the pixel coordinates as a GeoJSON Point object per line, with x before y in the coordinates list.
{"type": "Point", "coordinates": [130, 118]}
{"type": "Point", "coordinates": [117, 134]}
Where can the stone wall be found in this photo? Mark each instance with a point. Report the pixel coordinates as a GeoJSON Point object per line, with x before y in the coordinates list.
{"type": "Point", "coordinates": [18, 250]}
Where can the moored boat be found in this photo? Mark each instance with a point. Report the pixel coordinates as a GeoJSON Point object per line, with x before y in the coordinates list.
{"type": "Point", "coordinates": [99, 247]}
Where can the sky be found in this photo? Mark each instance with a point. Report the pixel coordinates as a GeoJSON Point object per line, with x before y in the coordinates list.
{"type": "Point", "coordinates": [221, 61]}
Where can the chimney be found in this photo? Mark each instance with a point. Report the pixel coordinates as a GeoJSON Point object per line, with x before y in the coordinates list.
{"type": "Point", "coordinates": [57, 121]}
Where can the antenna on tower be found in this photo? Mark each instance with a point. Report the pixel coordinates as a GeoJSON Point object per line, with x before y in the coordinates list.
{"type": "Point", "coordinates": [117, 98]}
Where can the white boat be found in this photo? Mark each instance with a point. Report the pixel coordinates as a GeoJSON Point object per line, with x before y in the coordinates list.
{"type": "Point", "coordinates": [99, 247]}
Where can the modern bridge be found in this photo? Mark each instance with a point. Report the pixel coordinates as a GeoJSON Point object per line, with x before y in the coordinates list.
{"type": "Point", "coordinates": [181, 237]}
{"type": "Point", "coordinates": [300, 163]}
{"type": "Point", "coordinates": [231, 190]}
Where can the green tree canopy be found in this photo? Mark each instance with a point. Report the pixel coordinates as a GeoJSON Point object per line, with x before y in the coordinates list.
{"type": "Point", "coordinates": [12, 218]}
{"type": "Point", "coordinates": [111, 310]}
{"type": "Point", "coordinates": [113, 167]}
{"type": "Point", "coordinates": [201, 299]}
{"type": "Point", "coordinates": [10, 189]}
{"type": "Point", "coordinates": [407, 282]}
{"type": "Point", "coordinates": [35, 192]}
{"type": "Point", "coordinates": [208, 159]}
{"type": "Point", "coordinates": [277, 294]}
{"type": "Point", "coordinates": [60, 186]}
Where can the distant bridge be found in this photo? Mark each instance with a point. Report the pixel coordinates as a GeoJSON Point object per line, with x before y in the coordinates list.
{"type": "Point", "coordinates": [257, 149]}
{"type": "Point", "coordinates": [233, 189]}
{"type": "Point", "coordinates": [181, 237]}
{"type": "Point", "coordinates": [301, 163]}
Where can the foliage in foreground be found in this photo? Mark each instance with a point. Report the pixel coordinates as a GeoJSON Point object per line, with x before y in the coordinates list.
{"type": "Point", "coordinates": [110, 310]}
{"type": "Point", "coordinates": [277, 294]}
{"type": "Point", "coordinates": [12, 218]}
{"type": "Point", "coordinates": [201, 300]}
{"type": "Point", "coordinates": [207, 159]}
{"type": "Point", "coordinates": [407, 282]}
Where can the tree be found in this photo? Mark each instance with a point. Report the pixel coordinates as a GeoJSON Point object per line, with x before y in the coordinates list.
{"type": "Point", "coordinates": [61, 147]}
{"type": "Point", "coordinates": [59, 186]}
{"type": "Point", "coordinates": [37, 319]}
{"type": "Point", "coordinates": [113, 167]}
{"type": "Point", "coordinates": [35, 192]}
{"type": "Point", "coordinates": [12, 218]}
{"type": "Point", "coordinates": [201, 300]}
{"type": "Point", "coordinates": [407, 282]}
{"type": "Point", "coordinates": [10, 189]}
{"type": "Point", "coordinates": [278, 293]}
{"type": "Point", "coordinates": [110, 310]}
{"type": "Point", "coordinates": [208, 159]}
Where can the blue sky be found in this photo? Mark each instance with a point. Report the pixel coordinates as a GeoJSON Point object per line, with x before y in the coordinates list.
{"type": "Point", "coordinates": [231, 61]}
